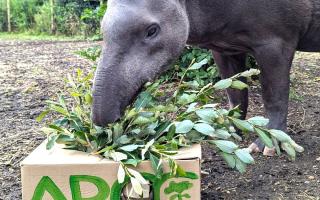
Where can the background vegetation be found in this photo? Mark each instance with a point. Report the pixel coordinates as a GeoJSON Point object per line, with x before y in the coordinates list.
{"type": "Point", "coordinates": [56, 17]}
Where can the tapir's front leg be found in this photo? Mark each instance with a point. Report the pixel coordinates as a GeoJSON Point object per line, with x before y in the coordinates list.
{"type": "Point", "coordinates": [229, 66]}
{"type": "Point", "coordinates": [275, 60]}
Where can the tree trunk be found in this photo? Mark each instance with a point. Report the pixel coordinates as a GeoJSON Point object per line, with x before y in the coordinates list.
{"type": "Point", "coordinates": [8, 16]}
{"type": "Point", "coordinates": [53, 26]}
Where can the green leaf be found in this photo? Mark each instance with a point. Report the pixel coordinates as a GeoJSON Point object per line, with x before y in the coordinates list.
{"type": "Point", "coordinates": [192, 84]}
{"type": "Point", "coordinates": [236, 136]}
{"type": "Point", "coordinates": [223, 134]}
{"type": "Point", "coordinates": [184, 126]}
{"type": "Point", "coordinates": [118, 156]}
{"type": "Point", "coordinates": [223, 84]}
{"type": "Point", "coordinates": [51, 141]}
{"type": "Point", "coordinates": [146, 114]}
{"type": "Point", "coordinates": [186, 99]}
{"type": "Point", "coordinates": [59, 109]}
{"type": "Point", "coordinates": [205, 129]}
{"type": "Point", "coordinates": [264, 137]}
{"type": "Point", "coordinates": [142, 120]}
{"type": "Point", "coordinates": [136, 185]}
{"type": "Point", "coordinates": [207, 114]}
{"type": "Point", "coordinates": [156, 165]}
{"type": "Point", "coordinates": [162, 127]}
{"type": "Point", "coordinates": [130, 114]}
{"type": "Point", "coordinates": [280, 135]}
{"type": "Point", "coordinates": [62, 101]}
{"type": "Point", "coordinates": [259, 121]}
{"type": "Point", "coordinates": [131, 147]}
{"type": "Point", "coordinates": [242, 125]}
{"type": "Point", "coordinates": [138, 176]}
{"type": "Point", "coordinates": [88, 98]}
{"type": "Point", "coordinates": [65, 139]}
{"type": "Point", "coordinates": [171, 132]}
{"type": "Point", "coordinates": [276, 145]}
{"type": "Point", "coordinates": [244, 156]}
{"type": "Point", "coordinates": [290, 150]}
{"type": "Point", "coordinates": [146, 148]}
{"type": "Point", "coordinates": [231, 161]}
{"type": "Point", "coordinates": [195, 136]}
{"type": "Point", "coordinates": [191, 108]}
{"type": "Point", "coordinates": [56, 128]}
{"type": "Point", "coordinates": [143, 100]}
{"type": "Point", "coordinates": [240, 166]}
{"type": "Point", "coordinates": [297, 147]}
{"type": "Point", "coordinates": [124, 139]}
{"type": "Point", "coordinates": [198, 65]}
{"type": "Point", "coordinates": [225, 146]}
{"type": "Point", "coordinates": [117, 131]}
{"type": "Point", "coordinates": [42, 115]}
{"type": "Point", "coordinates": [133, 162]}
{"type": "Point", "coordinates": [121, 174]}
{"type": "Point", "coordinates": [238, 85]}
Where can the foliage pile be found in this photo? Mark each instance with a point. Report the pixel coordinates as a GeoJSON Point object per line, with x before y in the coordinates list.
{"type": "Point", "coordinates": [157, 125]}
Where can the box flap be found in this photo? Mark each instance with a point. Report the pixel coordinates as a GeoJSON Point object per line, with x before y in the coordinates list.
{"type": "Point", "coordinates": [59, 156]}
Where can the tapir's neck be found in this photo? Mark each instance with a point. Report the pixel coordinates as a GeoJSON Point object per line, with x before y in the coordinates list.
{"type": "Point", "coordinates": [207, 17]}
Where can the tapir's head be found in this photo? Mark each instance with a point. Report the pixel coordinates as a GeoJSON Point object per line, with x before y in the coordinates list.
{"type": "Point", "coordinates": [141, 39]}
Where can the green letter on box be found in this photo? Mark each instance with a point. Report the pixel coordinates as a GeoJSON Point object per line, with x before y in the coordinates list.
{"type": "Point", "coordinates": [46, 184]}
{"type": "Point", "coordinates": [102, 186]}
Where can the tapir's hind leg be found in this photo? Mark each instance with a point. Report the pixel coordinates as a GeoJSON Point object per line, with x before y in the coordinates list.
{"type": "Point", "coordinates": [229, 66]}
{"type": "Point", "coordinates": [275, 60]}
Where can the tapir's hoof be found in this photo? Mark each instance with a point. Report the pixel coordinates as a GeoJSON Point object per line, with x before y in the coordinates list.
{"type": "Point", "coordinates": [258, 147]}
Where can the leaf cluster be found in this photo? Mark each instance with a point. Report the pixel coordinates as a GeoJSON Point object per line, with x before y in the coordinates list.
{"type": "Point", "coordinates": [156, 126]}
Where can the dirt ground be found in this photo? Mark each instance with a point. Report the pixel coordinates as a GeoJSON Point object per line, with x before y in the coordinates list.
{"type": "Point", "coordinates": [32, 72]}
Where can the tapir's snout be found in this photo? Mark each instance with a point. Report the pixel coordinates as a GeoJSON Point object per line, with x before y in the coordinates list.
{"type": "Point", "coordinates": [106, 105]}
{"type": "Point", "coordinates": [102, 117]}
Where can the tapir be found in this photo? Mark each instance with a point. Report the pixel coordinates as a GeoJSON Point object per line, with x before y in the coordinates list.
{"type": "Point", "coordinates": [142, 38]}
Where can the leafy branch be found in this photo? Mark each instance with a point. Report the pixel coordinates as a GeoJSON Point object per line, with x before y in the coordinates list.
{"type": "Point", "coordinates": [155, 129]}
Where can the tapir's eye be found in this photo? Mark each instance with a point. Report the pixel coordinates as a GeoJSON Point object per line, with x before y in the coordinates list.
{"type": "Point", "coordinates": [152, 31]}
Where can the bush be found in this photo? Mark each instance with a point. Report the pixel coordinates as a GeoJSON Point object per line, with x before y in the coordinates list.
{"type": "Point", "coordinates": [22, 14]}
{"type": "Point", "coordinates": [91, 20]}
{"type": "Point", "coordinates": [72, 17]}
{"type": "Point", "coordinates": [43, 19]}
{"type": "Point", "coordinates": [91, 53]}
{"type": "Point", "coordinates": [67, 19]}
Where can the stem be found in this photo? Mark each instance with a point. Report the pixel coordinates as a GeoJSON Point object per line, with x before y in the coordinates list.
{"type": "Point", "coordinates": [89, 143]}
{"type": "Point", "coordinates": [181, 80]}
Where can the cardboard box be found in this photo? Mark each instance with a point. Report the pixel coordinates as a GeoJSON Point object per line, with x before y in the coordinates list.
{"type": "Point", "coordinates": [61, 174]}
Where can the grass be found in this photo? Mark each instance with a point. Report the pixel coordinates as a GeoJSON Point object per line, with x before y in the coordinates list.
{"type": "Point", "coordinates": [32, 36]}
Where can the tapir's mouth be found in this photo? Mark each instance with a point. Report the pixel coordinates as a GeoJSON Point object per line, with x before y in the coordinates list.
{"type": "Point", "coordinates": [131, 101]}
